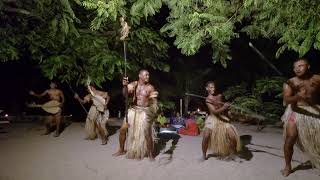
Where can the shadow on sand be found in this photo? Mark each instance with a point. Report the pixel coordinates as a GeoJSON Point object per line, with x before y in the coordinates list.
{"type": "Point", "coordinates": [246, 152]}
{"type": "Point", "coordinates": [303, 166]}
{"type": "Point", "coordinates": [161, 144]}
{"type": "Point", "coordinates": [112, 130]}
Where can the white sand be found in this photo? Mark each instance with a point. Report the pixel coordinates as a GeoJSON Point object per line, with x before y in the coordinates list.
{"type": "Point", "coordinates": [25, 155]}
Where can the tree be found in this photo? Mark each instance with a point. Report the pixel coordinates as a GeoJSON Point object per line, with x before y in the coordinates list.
{"type": "Point", "coordinates": [262, 99]}
{"type": "Point", "coordinates": [186, 77]}
{"type": "Point", "coordinates": [295, 23]}
{"type": "Point", "coordinates": [56, 35]}
{"type": "Point", "coordinates": [195, 23]}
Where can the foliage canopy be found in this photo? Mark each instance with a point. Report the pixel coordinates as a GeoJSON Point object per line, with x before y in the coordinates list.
{"type": "Point", "coordinates": [72, 39]}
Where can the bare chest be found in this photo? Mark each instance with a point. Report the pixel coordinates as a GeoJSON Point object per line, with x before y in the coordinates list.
{"type": "Point", "coordinates": [215, 101]}
{"type": "Point", "coordinates": [310, 86]}
{"type": "Point", "coordinates": [53, 93]}
{"type": "Point", "coordinates": [142, 91]}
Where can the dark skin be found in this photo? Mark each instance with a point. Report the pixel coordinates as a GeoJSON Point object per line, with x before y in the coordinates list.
{"type": "Point", "coordinates": [54, 94]}
{"type": "Point", "coordinates": [87, 99]}
{"type": "Point", "coordinates": [303, 89]}
{"type": "Point", "coordinates": [216, 107]}
{"type": "Point", "coordinates": [142, 90]}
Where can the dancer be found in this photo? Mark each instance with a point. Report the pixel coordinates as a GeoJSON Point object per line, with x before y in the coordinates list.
{"type": "Point", "coordinates": [140, 119]}
{"type": "Point", "coordinates": [219, 135]}
{"type": "Point", "coordinates": [302, 116]}
{"type": "Point", "coordinates": [98, 114]}
{"type": "Point", "coordinates": [54, 107]}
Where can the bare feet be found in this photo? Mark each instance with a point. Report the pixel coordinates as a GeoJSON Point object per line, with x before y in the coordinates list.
{"type": "Point", "coordinates": [151, 157]}
{"type": "Point", "coordinates": [204, 157]}
{"type": "Point", "coordinates": [119, 153]}
{"type": "Point", "coordinates": [56, 134]}
{"type": "Point", "coordinates": [104, 142]}
{"type": "Point", "coordinates": [286, 171]}
{"type": "Point", "coordinates": [231, 157]}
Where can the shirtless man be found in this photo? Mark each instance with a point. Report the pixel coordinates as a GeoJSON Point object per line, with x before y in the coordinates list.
{"type": "Point", "coordinates": [54, 95]}
{"type": "Point", "coordinates": [219, 134]}
{"type": "Point", "coordinates": [301, 119]}
{"type": "Point", "coordinates": [140, 118]}
{"type": "Point", "coordinates": [98, 114]}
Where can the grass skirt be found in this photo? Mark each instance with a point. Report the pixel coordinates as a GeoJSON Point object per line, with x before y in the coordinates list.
{"type": "Point", "coordinates": [308, 125]}
{"type": "Point", "coordinates": [140, 127]}
{"type": "Point", "coordinates": [219, 141]}
{"type": "Point", "coordinates": [96, 116]}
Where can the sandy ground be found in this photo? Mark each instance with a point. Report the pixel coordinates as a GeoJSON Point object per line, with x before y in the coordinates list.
{"type": "Point", "coordinates": [25, 155]}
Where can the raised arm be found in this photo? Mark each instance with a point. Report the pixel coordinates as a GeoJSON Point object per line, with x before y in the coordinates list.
{"type": "Point", "coordinates": [128, 88]}
{"type": "Point", "coordinates": [106, 97]}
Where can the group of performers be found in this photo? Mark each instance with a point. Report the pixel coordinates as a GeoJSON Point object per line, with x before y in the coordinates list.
{"type": "Point", "coordinates": [96, 119]}
{"type": "Point", "coordinates": [136, 139]}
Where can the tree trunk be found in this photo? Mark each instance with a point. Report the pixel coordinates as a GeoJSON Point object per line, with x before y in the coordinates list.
{"type": "Point", "coordinates": [186, 100]}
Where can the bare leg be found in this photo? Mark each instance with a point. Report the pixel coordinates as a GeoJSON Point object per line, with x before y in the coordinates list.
{"type": "Point", "coordinates": [57, 119]}
{"type": "Point", "coordinates": [290, 139]}
{"type": "Point", "coordinates": [205, 143]}
{"type": "Point", "coordinates": [122, 140]}
{"type": "Point", "coordinates": [48, 123]}
{"type": "Point", "coordinates": [101, 132]}
{"type": "Point", "coordinates": [104, 133]}
{"type": "Point", "coordinates": [48, 127]}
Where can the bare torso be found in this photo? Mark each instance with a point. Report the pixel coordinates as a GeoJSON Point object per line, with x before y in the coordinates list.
{"type": "Point", "coordinates": [142, 92]}
{"type": "Point", "coordinates": [214, 102]}
{"type": "Point", "coordinates": [308, 89]}
{"type": "Point", "coordinates": [55, 94]}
